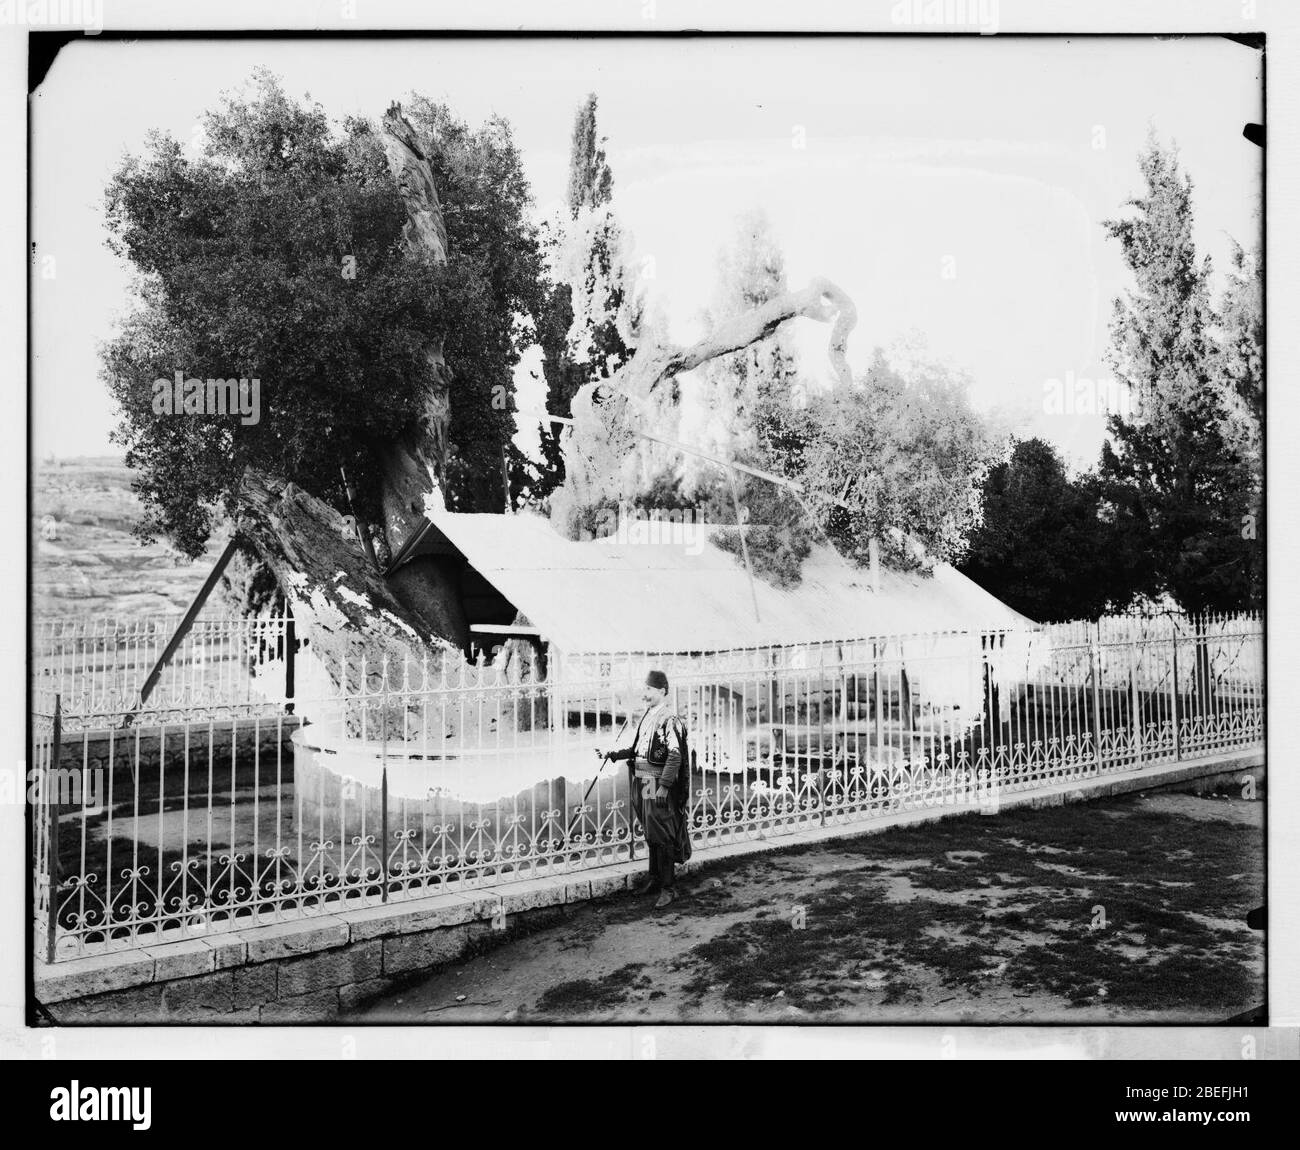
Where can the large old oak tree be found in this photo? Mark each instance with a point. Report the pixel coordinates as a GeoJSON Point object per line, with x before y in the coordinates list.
{"type": "Point", "coordinates": [379, 281]}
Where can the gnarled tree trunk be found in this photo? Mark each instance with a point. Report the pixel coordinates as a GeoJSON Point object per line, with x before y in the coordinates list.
{"type": "Point", "coordinates": [428, 585]}
{"type": "Point", "coordinates": [351, 613]}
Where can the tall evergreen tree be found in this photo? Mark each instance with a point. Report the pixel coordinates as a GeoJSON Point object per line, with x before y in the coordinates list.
{"type": "Point", "coordinates": [1180, 471]}
{"type": "Point", "coordinates": [591, 183]}
{"type": "Point", "coordinates": [1241, 320]}
{"type": "Point", "coordinates": [588, 324]}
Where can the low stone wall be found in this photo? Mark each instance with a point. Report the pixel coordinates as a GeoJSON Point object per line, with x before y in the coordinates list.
{"type": "Point", "coordinates": [310, 970]}
{"type": "Point", "coordinates": [240, 741]}
{"type": "Point", "coordinates": [321, 967]}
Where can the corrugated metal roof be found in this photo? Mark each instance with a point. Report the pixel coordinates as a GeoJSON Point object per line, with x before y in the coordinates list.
{"type": "Point", "coordinates": [612, 595]}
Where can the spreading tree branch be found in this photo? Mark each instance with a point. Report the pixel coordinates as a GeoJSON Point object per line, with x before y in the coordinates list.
{"type": "Point", "coordinates": [820, 300]}
{"type": "Point", "coordinates": [601, 451]}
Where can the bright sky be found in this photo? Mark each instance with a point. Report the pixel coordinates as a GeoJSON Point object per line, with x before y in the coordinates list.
{"type": "Point", "coordinates": [954, 186]}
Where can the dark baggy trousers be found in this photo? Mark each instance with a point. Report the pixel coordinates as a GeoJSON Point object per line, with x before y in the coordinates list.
{"type": "Point", "coordinates": [659, 822]}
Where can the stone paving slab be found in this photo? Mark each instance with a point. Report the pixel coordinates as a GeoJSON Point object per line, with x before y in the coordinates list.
{"type": "Point", "coordinates": [93, 974]}
{"type": "Point", "coordinates": [182, 959]}
{"type": "Point", "coordinates": [409, 915]}
{"type": "Point", "coordinates": [302, 936]}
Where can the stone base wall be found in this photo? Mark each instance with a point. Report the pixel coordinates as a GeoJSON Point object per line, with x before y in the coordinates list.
{"type": "Point", "coordinates": [310, 970]}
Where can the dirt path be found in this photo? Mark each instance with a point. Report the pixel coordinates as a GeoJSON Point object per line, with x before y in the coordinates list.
{"type": "Point", "coordinates": [1123, 910]}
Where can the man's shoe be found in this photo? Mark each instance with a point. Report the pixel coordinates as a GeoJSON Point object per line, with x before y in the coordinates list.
{"type": "Point", "coordinates": [647, 885]}
{"type": "Point", "coordinates": [665, 898]}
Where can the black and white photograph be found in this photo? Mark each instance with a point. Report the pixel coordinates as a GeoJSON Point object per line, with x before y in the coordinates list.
{"type": "Point", "coordinates": [650, 527]}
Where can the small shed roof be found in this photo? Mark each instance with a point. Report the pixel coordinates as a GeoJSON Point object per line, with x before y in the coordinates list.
{"type": "Point", "coordinates": [613, 595]}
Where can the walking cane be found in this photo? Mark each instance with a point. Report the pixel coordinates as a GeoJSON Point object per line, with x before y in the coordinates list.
{"type": "Point", "coordinates": [569, 833]}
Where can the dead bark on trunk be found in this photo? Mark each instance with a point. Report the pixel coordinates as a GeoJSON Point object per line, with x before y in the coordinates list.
{"type": "Point", "coordinates": [341, 605]}
{"type": "Point", "coordinates": [417, 466]}
{"type": "Point", "coordinates": [428, 586]}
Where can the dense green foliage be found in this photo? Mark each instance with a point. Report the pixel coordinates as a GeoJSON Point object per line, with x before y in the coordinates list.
{"type": "Point", "coordinates": [275, 252]}
{"type": "Point", "coordinates": [1046, 546]}
{"type": "Point", "coordinates": [1174, 507]}
{"type": "Point", "coordinates": [906, 453]}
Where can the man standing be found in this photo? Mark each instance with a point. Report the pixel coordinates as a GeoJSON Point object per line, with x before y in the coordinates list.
{"type": "Point", "coordinates": [659, 784]}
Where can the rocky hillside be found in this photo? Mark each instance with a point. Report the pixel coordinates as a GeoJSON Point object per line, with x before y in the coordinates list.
{"type": "Point", "coordinates": [86, 562]}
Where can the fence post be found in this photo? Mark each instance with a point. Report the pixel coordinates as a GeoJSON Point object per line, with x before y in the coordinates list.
{"type": "Point", "coordinates": [1094, 656]}
{"type": "Point", "coordinates": [821, 733]}
{"type": "Point", "coordinates": [988, 720]}
{"type": "Point", "coordinates": [383, 795]}
{"type": "Point", "coordinates": [383, 829]}
{"type": "Point", "coordinates": [905, 702]}
{"type": "Point", "coordinates": [1178, 737]}
{"type": "Point", "coordinates": [52, 845]}
{"type": "Point", "coordinates": [290, 648]}
{"type": "Point", "coordinates": [877, 690]}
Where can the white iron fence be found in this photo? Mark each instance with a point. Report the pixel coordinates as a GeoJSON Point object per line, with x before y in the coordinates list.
{"type": "Point", "coordinates": [202, 811]}
{"type": "Point", "coordinates": [100, 668]}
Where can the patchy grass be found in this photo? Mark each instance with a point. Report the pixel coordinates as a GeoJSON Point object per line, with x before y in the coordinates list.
{"type": "Point", "coordinates": [1125, 898]}
{"type": "Point", "coordinates": [1084, 969]}
{"type": "Point", "coordinates": [587, 994]}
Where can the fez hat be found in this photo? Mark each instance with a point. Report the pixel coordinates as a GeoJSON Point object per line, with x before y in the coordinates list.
{"type": "Point", "coordinates": [658, 680]}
